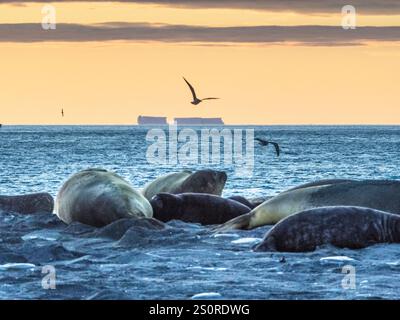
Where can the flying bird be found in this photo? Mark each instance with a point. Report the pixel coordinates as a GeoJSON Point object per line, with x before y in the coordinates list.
{"type": "Point", "coordinates": [264, 142]}
{"type": "Point", "coordinates": [196, 100]}
{"type": "Point", "coordinates": [62, 112]}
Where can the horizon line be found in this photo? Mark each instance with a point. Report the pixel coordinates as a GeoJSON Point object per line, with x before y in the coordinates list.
{"type": "Point", "coordinates": [208, 125]}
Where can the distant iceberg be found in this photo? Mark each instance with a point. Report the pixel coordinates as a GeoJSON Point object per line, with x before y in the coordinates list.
{"type": "Point", "coordinates": [198, 121]}
{"type": "Point", "coordinates": [145, 120]}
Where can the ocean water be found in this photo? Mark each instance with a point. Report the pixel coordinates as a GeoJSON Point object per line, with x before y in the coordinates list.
{"type": "Point", "coordinates": [127, 260]}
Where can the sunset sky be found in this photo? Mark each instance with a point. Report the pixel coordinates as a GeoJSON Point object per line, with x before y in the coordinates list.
{"type": "Point", "coordinates": [270, 62]}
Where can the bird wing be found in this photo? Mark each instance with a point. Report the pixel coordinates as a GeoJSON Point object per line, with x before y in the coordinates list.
{"type": "Point", "coordinates": [210, 99]}
{"type": "Point", "coordinates": [261, 140]}
{"type": "Point", "coordinates": [191, 89]}
{"type": "Point", "coordinates": [277, 149]}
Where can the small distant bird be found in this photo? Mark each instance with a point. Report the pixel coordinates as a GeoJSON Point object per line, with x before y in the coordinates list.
{"type": "Point", "coordinates": [264, 142]}
{"type": "Point", "coordinates": [196, 100]}
{"type": "Point", "coordinates": [62, 112]}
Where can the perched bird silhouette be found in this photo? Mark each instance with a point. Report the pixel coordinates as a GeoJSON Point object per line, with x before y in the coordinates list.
{"type": "Point", "coordinates": [264, 142]}
{"type": "Point", "coordinates": [62, 112]}
{"type": "Point", "coordinates": [196, 100]}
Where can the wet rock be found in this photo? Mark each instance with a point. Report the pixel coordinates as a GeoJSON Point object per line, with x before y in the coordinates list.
{"type": "Point", "coordinates": [27, 204]}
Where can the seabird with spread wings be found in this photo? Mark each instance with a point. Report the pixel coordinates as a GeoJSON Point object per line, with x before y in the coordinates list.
{"type": "Point", "coordinates": [264, 142]}
{"type": "Point", "coordinates": [196, 100]}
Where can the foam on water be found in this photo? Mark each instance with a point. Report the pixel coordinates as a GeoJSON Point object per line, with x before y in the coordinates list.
{"type": "Point", "coordinates": [41, 234]}
{"type": "Point", "coordinates": [336, 258]}
{"type": "Point", "coordinates": [207, 295]}
{"type": "Point", "coordinates": [246, 240]}
{"type": "Point", "coordinates": [16, 266]}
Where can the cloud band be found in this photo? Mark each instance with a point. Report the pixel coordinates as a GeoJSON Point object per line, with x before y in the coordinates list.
{"type": "Point", "coordinates": [307, 35]}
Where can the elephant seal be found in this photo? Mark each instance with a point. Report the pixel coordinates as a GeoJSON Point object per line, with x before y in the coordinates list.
{"type": "Point", "coordinates": [202, 181]}
{"type": "Point", "coordinates": [257, 201]}
{"type": "Point", "coordinates": [196, 208]}
{"type": "Point", "coordinates": [376, 194]}
{"type": "Point", "coordinates": [317, 183]}
{"type": "Point", "coordinates": [344, 227]}
{"type": "Point", "coordinates": [27, 204]}
{"type": "Point", "coordinates": [242, 200]}
{"type": "Point", "coordinates": [98, 197]}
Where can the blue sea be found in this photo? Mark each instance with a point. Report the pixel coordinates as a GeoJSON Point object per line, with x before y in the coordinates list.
{"type": "Point", "coordinates": [186, 261]}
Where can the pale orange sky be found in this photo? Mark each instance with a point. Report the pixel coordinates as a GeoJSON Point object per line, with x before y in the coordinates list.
{"type": "Point", "coordinates": [112, 82]}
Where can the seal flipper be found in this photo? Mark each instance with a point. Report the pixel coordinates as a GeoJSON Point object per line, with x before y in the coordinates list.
{"type": "Point", "coordinates": [241, 222]}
